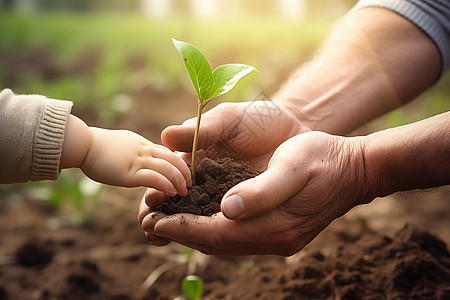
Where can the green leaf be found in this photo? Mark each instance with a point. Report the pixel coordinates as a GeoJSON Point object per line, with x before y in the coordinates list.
{"type": "Point", "coordinates": [192, 286]}
{"type": "Point", "coordinates": [198, 68]}
{"type": "Point", "coordinates": [225, 77]}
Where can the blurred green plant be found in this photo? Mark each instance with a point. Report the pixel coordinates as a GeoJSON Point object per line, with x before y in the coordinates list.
{"type": "Point", "coordinates": [247, 264]}
{"type": "Point", "coordinates": [73, 191]}
{"type": "Point", "coordinates": [185, 252]}
{"type": "Point", "coordinates": [192, 286]}
{"type": "Point", "coordinates": [92, 58]}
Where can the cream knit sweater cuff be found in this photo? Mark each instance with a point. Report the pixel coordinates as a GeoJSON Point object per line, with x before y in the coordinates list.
{"type": "Point", "coordinates": [31, 136]}
{"type": "Point", "coordinates": [48, 140]}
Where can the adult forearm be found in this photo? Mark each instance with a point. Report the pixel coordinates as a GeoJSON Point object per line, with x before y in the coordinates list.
{"type": "Point", "coordinates": [413, 156]}
{"type": "Point", "coordinates": [373, 62]}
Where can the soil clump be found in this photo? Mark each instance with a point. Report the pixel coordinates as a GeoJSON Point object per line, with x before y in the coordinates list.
{"type": "Point", "coordinates": [214, 178]}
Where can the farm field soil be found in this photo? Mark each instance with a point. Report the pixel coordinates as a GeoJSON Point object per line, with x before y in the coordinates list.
{"type": "Point", "coordinates": [110, 259]}
{"type": "Point", "coordinates": [370, 253]}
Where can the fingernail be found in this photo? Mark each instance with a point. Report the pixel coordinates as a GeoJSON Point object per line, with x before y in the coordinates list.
{"type": "Point", "coordinates": [172, 192]}
{"type": "Point", "coordinates": [183, 192]}
{"type": "Point", "coordinates": [233, 206]}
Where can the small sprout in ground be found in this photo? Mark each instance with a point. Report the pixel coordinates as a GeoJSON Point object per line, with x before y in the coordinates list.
{"type": "Point", "coordinates": [207, 83]}
{"type": "Point", "coordinates": [192, 286]}
{"type": "Point", "coordinates": [247, 264]}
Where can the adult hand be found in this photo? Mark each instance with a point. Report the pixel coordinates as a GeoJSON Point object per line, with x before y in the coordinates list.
{"type": "Point", "coordinates": [248, 131]}
{"type": "Point", "coordinates": [312, 179]}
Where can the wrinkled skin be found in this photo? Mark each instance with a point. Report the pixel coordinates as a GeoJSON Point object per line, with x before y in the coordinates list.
{"type": "Point", "coordinates": [249, 131]}
{"type": "Point", "coordinates": [322, 178]}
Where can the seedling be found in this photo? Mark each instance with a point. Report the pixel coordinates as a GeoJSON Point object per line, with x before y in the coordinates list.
{"type": "Point", "coordinates": [207, 83]}
{"type": "Point", "coordinates": [192, 286]}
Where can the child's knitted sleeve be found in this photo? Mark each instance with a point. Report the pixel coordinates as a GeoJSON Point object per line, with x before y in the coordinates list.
{"type": "Point", "coordinates": [31, 136]}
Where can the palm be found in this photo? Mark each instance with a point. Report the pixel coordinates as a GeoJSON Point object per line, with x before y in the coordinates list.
{"type": "Point", "coordinates": [322, 182]}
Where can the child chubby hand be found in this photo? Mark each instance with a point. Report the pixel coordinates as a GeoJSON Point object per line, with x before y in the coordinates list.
{"type": "Point", "coordinates": [123, 158]}
{"type": "Point", "coordinates": [39, 137]}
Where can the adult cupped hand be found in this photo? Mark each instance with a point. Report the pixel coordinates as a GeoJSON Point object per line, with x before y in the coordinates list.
{"type": "Point", "coordinates": [248, 131]}
{"type": "Point", "coordinates": [311, 179]}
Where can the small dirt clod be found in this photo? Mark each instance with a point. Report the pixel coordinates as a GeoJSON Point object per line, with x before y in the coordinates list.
{"type": "Point", "coordinates": [214, 178]}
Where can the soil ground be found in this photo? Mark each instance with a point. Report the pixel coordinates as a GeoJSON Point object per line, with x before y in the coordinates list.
{"type": "Point", "coordinates": [369, 253]}
{"type": "Point", "coordinates": [359, 256]}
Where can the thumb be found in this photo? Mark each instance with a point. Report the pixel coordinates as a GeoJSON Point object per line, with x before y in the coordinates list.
{"type": "Point", "coordinates": [214, 127]}
{"type": "Point", "coordinates": [264, 192]}
{"type": "Point", "coordinates": [179, 137]}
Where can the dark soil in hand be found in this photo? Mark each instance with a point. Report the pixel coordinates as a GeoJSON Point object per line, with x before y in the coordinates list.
{"type": "Point", "coordinates": [214, 178]}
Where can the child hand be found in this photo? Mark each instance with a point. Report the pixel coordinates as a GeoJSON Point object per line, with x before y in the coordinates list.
{"type": "Point", "coordinates": [123, 158]}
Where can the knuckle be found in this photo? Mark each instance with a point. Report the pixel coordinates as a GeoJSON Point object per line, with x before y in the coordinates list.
{"type": "Point", "coordinates": [225, 106]}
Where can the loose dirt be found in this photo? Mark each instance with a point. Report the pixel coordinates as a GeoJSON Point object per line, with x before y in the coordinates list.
{"type": "Point", "coordinates": [110, 259]}
{"type": "Point", "coordinates": [214, 178]}
{"type": "Point", "coordinates": [410, 265]}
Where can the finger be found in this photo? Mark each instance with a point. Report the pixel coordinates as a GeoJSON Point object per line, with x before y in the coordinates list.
{"type": "Point", "coordinates": [178, 137]}
{"type": "Point", "coordinates": [264, 192]}
{"type": "Point", "coordinates": [234, 251]}
{"type": "Point", "coordinates": [154, 198]}
{"type": "Point", "coordinates": [153, 179]}
{"type": "Point", "coordinates": [157, 241]}
{"type": "Point", "coordinates": [216, 235]}
{"type": "Point", "coordinates": [216, 231]}
{"type": "Point", "coordinates": [148, 224]}
{"type": "Point", "coordinates": [212, 127]}
{"type": "Point", "coordinates": [189, 229]}
{"type": "Point", "coordinates": [237, 251]}
{"type": "Point", "coordinates": [185, 156]}
{"type": "Point", "coordinates": [149, 221]}
{"type": "Point", "coordinates": [200, 155]}
{"type": "Point", "coordinates": [169, 171]}
{"type": "Point", "coordinates": [144, 209]}
{"type": "Point", "coordinates": [167, 155]}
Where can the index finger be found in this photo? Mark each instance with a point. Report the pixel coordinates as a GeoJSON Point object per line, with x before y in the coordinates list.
{"type": "Point", "coordinates": [174, 159]}
{"type": "Point", "coordinates": [147, 217]}
{"type": "Point", "coordinates": [218, 235]}
{"type": "Point", "coordinates": [151, 198]}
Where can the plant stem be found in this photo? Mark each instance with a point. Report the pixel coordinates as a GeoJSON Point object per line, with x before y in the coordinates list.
{"type": "Point", "coordinates": [194, 145]}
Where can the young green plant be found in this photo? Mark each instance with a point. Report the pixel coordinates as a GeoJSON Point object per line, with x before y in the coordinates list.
{"type": "Point", "coordinates": [192, 286]}
{"type": "Point", "coordinates": [208, 84]}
